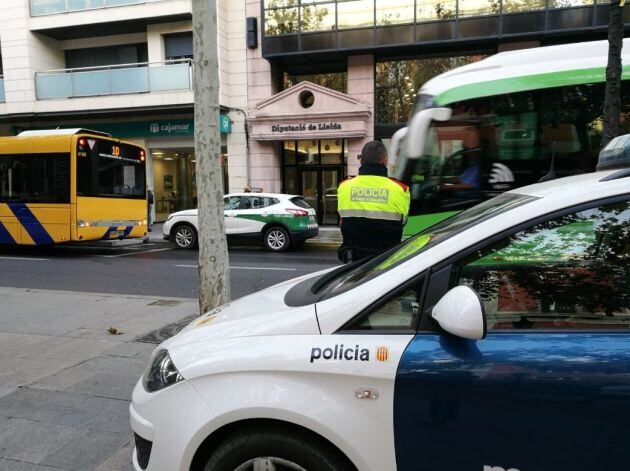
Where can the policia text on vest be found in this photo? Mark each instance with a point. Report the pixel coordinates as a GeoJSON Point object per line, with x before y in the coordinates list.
{"type": "Point", "coordinates": [373, 211]}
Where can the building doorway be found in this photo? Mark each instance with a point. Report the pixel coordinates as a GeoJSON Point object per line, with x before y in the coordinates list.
{"type": "Point", "coordinates": [314, 170]}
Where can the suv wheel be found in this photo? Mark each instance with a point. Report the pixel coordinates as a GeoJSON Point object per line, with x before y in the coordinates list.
{"type": "Point", "coordinates": [277, 239]}
{"type": "Point", "coordinates": [278, 450]}
{"type": "Point", "coordinates": [185, 236]}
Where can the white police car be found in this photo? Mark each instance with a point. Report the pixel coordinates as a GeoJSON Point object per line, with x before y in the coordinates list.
{"type": "Point", "coordinates": [279, 221]}
{"type": "Point", "coordinates": [497, 340]}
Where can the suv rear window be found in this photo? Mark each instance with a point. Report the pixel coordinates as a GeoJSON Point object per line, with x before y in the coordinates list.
{"type": "Point", "coordinates": [299, 201]}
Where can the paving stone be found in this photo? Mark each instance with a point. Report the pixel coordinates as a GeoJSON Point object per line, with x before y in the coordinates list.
{"type": "Point", "coordinates": [133, 367]}
{"type": "Point", "coordinates": [62, 408]}
{"type": "Point", "coordinates": [32, 441]}
{"type": "Point", "coordinates": [87, 451]}
{"type": "Point", "coordinates": [121, 461]}
{"type": "Point", "coordinates": [130, 350]}
{"type": "Point", "coordinates": [11, 465]}
{"type": "Point", "coordinates": [6, 390]}
{"type": "Point", "coordinates": [114, 419]}
{"type": "Point", "coordinates": [18, 372]}
{"type": "Point", "coordinates": [105, 384]}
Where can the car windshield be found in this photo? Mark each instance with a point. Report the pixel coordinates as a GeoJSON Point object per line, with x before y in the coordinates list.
{"type": "Point", "coordinates": [347, 277]}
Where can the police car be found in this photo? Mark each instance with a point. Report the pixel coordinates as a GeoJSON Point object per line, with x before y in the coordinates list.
{"type": "Point", "coordinates": [498, 339]}
{"type": "Point", "coordinates": [279, 221]}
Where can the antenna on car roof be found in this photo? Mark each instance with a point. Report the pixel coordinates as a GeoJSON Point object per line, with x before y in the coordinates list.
{"type": "Point", "coordinates": [551, 174]}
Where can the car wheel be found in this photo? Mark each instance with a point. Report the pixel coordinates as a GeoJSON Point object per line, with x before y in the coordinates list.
{"type": "Point", "coordinates": [185, 236]}
{"type": "Point", "coordinates": [259, 449]}
{"type": "Point", "coordinates": [277, 239]}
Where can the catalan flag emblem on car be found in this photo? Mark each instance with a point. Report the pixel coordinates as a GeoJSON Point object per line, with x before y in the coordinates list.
{"type": "Point", "coordinates": [382, 353]}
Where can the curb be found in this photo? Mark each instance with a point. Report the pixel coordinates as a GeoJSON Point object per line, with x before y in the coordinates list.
{"type": "Point", "coordinates": [323, 244]}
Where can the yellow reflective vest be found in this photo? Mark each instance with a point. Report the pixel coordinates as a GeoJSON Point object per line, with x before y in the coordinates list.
{"type": "Point", "coordinates": [373, 197]}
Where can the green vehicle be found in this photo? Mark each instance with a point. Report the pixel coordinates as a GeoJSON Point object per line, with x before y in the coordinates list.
{"type": "Point", "coordinates": [502, 123]}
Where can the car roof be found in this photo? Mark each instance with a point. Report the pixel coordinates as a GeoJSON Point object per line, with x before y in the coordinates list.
{"type": "Point", "coordinates": [583, 186]}
{"type": "Point", "coordinates": [263, 195]}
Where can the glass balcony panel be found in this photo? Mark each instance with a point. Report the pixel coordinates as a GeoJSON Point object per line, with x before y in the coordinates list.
{"type": "Point", "coordinates": [47, 7]}
{"type": "Point", "coordinates": [90, 83]}
{"type": "Point", "coordinates": [570, 3]}
{"type": "Point", "coordinates": [513, 6]}
{"type": "Point", "coordinates": [394, 12]}
{"type": "Point", "coordinates": [129, 80]}
{"type": "Point", "coordinates": [74, 5]}
{"type": "Point", "coordinates": [280, 3]}
{"type": "Point", "coordinates": [2, 97]}
{"type": "Point", "coordinates": [478, 7]}
{"type": "Point", "coordinates": [319, 17]}
{"type": "Point", "coordinates": [169, 77]}
{"type": "Point", "coordinates": [115, 3]}
{"type": "Point", "coordinates": [430, 10]}
{"type": "Point", "coordinates": [355, 14]}
{"type": "Point", "coordinates": [54, 85]}
{"type": "Point", "coordinates": [281, 21]}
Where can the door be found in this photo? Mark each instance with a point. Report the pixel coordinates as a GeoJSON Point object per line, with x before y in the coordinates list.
{"type": "Point", "coordinates": [230, 213]}
{"type": "Point", "coordinates": [549, 388]}
{"type": "Point", "coordinates": [319, 188]}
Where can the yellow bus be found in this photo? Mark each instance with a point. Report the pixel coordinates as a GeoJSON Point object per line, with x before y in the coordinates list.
{"type": "Point", "coordinates": [70, 185]}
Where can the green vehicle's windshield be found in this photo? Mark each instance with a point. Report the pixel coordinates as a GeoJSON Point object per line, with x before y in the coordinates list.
{"type": "Point", "coordinates": [344, 278]}
{"type": "Point", "coordinates": [499, 143]}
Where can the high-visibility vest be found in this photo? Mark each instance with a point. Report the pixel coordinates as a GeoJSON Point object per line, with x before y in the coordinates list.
{"type": "Point", "coordinates": [373, 197]}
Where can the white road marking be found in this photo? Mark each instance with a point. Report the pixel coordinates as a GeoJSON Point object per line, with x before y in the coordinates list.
{"type": "Point", "coordinates": [136, 253]}
{"type": "Point", "coordinates": [26, 258]}
{"type": "Point", "coordinates": [245, 268]}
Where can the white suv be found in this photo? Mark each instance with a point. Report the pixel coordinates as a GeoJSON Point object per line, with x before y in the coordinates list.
{"type": "Point", "coordinates": [278, 221]}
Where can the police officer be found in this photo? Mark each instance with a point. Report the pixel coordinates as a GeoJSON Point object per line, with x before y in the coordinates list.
{"type": "Point", "coordinates": [373, 207]}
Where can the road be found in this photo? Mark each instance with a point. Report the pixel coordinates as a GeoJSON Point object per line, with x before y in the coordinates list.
{"type": "Point", "coordinates": [154, 269]}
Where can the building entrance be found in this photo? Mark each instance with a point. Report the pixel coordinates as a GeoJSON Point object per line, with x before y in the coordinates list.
{"type": "Point", "coordinates": [314, 170]}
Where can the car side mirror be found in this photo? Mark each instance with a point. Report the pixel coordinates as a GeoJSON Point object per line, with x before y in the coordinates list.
{"type": "Point", "coordinates": [461, 312]}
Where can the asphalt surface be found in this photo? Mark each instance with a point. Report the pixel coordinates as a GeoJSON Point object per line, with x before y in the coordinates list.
{"type": "Point", "coordinates": [153, 269]}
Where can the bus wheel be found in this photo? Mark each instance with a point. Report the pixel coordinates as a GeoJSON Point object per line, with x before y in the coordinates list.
{"type": "Point", "coordinates": [185, 237]}
{"type": "Point", "coordinates": [260, 449]}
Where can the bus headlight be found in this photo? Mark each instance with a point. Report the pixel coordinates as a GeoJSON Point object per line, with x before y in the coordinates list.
{"type": "Point", "coordinates": [161, 372]}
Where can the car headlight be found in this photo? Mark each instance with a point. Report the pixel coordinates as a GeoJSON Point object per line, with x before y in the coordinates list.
{"type": "Point", "coordinates": [161, 372]}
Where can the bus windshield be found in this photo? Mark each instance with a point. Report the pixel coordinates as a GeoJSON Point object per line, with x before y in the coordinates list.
{"type": "Point", "coordinates": [498, 143]}
{"type": "Point", "coordinates": [108, 168]}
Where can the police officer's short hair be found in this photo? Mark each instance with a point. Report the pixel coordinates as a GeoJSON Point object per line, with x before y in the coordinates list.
{"type": "Point", "coordinates": [373, 153]}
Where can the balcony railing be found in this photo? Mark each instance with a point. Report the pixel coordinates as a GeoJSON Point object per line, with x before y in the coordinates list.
{"type": "Point", "coordinates": [115, 79]}
{"type": "Point", "coordinates": [50, 7]}
{"type": "Point", "coordinates": [2, 97]}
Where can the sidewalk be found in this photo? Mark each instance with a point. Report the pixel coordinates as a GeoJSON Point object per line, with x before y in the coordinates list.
{"type": "Point", "coordinates": [329, 236]}
{"type": "Point", "coordinates": [66, 375]}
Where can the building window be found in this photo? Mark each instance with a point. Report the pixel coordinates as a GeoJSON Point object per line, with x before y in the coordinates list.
{"type": "Point", "coordinates": [355, 14]}
{"type": "Point", "coordinates": [103, 56]}
{"type": "Point", "coordinates": [335, 81]}
{"type": "Point", "coordinates": [398, 81]}
{"type": "Point", "coordinates": [178, 46]}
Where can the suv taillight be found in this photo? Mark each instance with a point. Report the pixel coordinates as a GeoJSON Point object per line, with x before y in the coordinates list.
{"type": "Point", "coordinates": [297, 212]}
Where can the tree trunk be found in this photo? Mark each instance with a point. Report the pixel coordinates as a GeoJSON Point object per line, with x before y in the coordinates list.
{"type": "Point", "coordinates": [612, 100]}
{"type": "Point", "coordinates": [214, 270]}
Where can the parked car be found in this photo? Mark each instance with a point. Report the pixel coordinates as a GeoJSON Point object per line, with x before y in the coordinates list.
{"type": "Point", "coordinates": [496, 339]}
{"type": "Point", "coordinates": [277, 221]}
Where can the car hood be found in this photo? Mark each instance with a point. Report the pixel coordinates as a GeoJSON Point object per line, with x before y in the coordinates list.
{"type": "Point", "coordinates": [187, 212]}
{"type": "Point", "coordinates": [260, 314]}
